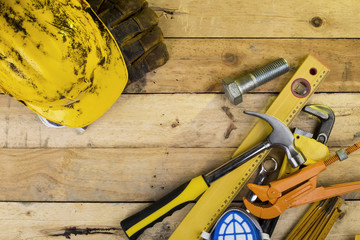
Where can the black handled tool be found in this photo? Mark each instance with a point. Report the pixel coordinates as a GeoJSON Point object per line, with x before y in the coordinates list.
{"type": "Point", "coordinates": [281, 137]}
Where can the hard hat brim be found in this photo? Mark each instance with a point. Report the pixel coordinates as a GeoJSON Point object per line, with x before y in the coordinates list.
{"type": "Point", "coordinates": [89, 108]}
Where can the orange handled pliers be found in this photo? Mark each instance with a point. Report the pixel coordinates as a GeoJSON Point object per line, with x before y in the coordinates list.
{"type": "Point", "coordinates": [298, 189]}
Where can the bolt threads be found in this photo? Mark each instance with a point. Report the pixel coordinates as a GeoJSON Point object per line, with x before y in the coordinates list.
{"type": "Point", "coordinates": [234, 88]}
{"type": "Point", "coordinates": [270, 71]}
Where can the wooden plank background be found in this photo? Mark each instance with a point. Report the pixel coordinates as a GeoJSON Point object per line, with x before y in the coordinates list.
{"type": "Point", "coordinates": [176, 123]}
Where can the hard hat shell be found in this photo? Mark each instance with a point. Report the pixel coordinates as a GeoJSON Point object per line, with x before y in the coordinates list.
{"type": "Point", "coordinates": [60, 60]}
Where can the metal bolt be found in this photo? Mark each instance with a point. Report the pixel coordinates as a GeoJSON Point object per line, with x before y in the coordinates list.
{"type": "Point", "coordinates": [235, 88]}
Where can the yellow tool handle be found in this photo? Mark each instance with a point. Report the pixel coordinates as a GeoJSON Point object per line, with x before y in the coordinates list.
{"type": "Point", "coordinates": [219, 196]}
{"type": "Point", "coordinates": [134, 225]}
{"type": "Point", "coordinates": [313, 150]}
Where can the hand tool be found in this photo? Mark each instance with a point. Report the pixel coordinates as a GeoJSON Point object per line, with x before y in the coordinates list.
{"type": "Point", "coordinates": [311, 149]}
{"type": "Point", "coordinates": [285, 107]}
{"type": "Point", "coordinates": [320, 152]}
{"type": "Point", "coordinates": [280, 136]}
{"type": "Point", "coordinates": [318, 220]}
{"type": "Point", "coordinates": [235, 88]}
{"type": "Point", "coordinates": [264, 173]}
{"type": "Point", "coordinates": [311, 145]}
{"type": "Point", "coordinates": [327, 119]}
{"type": "Point", "coordinates": [299, 188]}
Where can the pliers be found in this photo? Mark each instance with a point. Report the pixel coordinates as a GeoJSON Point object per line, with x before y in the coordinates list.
{"type": "Point", "coordinates": [298, 189]}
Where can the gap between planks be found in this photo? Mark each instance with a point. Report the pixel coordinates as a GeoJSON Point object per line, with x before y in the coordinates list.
{"type": "Point", "coordinates": [90, 221]}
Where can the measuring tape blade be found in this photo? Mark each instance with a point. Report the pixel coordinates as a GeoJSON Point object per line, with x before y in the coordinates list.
{"type": "Point", "coordinates": [221, 193]}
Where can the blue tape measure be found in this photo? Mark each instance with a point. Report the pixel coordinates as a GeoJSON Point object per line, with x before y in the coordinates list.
{"type": "Point", "coordinates": [236, 224]}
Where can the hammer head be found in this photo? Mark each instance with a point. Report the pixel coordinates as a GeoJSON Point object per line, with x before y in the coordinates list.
{"type": "Point", "coordinates": [282, 137]}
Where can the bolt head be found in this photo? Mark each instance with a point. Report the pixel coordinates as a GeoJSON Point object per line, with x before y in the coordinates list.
{"type": "Point", "coordinates": [232, 91]}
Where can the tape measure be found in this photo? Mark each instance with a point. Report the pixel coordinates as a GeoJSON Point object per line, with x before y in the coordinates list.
{"type": "Point", "coordinates": [221, 193]}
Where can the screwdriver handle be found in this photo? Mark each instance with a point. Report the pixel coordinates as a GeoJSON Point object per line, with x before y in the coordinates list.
{"type": "Point", "coordinates": [134, 225]}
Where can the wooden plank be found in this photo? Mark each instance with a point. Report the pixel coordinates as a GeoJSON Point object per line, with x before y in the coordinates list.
{"type": "Point", "coordinates": [101, 174]}
{"type": "Point", "coordinates": [298, 18]}
{"type": "Point", "coordinates": [199, 65]}
{"type": "Point", "coordinates": [90, 221]}
{"type": "Point", "coordinates": [64, 220]}
{"type": "Point", "coordinates": [168, 120]}
{"type": "Point", "coordinates": [122, 175]}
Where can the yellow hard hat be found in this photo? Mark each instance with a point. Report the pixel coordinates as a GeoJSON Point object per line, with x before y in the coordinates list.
{"type": "Point", "coordinates": [59, 59]}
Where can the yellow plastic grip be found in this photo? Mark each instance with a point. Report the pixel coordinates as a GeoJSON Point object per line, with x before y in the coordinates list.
{"type": "Point", "coordinates": [313, 150]}
{"type": "Point", "coordinates": [136, 224]}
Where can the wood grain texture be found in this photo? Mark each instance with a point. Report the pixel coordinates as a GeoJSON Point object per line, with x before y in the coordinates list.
{"type": "Point", "coordinates": [123, 174]}
{"type": "Point", "coordinates": [199, 65]}
{"type": "Point", "coordinates": [290, 19]}
{"type": "Point", "coordinates": [176, 123]}
{"type": "Point", "coordinates": [76, 221]}
{"type": "Point", "coordinates": [93, 221]}
{"type": "Point", "coordinates": [168, 120]}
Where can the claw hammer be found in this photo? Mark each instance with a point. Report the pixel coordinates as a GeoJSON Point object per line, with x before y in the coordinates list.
{"type": "Point", "coordinates": [280, 136]}
{"type": "Point", "coordinates": [326, 117]}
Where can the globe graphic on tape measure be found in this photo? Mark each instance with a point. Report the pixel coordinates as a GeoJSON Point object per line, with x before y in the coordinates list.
{"type": "Point", "coordinates": [236, 225]}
